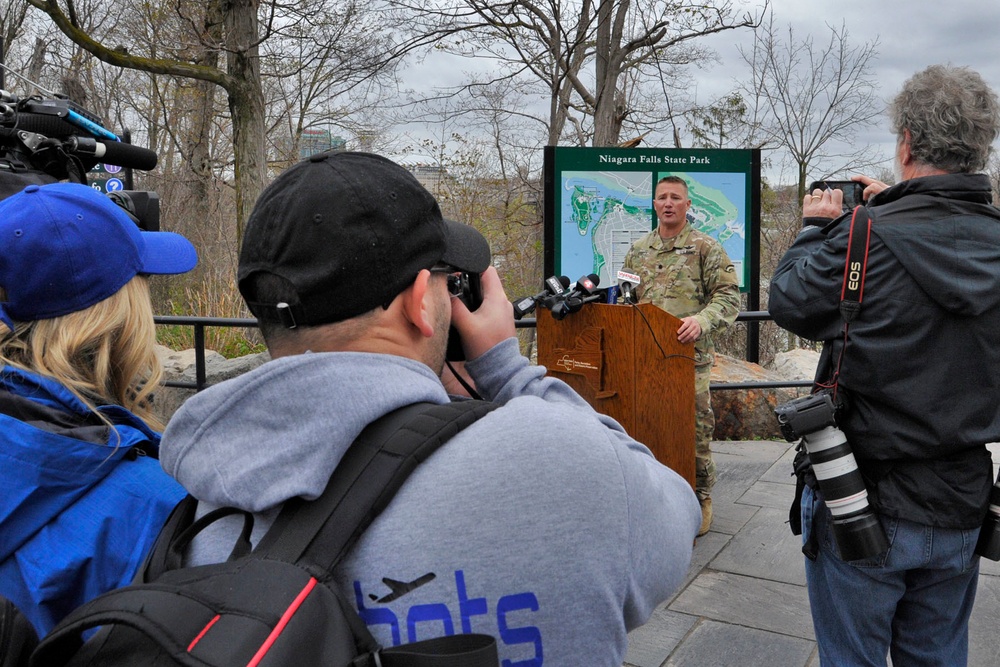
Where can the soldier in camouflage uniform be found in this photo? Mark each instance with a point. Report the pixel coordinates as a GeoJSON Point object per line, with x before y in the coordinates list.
{"type": "Point", "coordinates": [689, 275]}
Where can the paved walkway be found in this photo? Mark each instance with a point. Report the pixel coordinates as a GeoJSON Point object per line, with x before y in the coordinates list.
{"type": "Point", "coordinates": [744, 601]}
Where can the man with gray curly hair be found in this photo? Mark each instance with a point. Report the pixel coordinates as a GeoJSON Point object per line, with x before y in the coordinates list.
{"type": "Point", "coordinates": [916, 374]}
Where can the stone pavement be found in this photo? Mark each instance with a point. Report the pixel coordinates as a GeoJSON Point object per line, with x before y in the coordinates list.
{"type": "Point", "coordinates": [744, 601]}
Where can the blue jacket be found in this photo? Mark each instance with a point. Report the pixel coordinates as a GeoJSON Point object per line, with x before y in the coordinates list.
{"type": "Point", "coordinates": [81, 502]}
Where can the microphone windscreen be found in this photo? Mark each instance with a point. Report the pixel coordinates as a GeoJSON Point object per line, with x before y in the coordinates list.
{"type": "Point", "coordinates": [127, 155]}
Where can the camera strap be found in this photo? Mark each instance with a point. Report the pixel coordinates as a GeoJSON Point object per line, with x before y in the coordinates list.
{"type": "Point", "coordinates": [856, 265]}
{"type": "Point", "coordinates": [851, 294]}
{"type": "Point", "coordinates": [852, 290]}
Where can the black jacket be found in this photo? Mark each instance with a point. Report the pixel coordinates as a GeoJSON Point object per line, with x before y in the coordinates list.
{"type": "Point", "coordinates": [921, 370]}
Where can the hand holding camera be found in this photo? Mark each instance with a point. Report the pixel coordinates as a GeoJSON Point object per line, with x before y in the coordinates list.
{"type": "Point", "coordinates": [492, 322]}
{"type": "Point", "coordinates": [822, 200]}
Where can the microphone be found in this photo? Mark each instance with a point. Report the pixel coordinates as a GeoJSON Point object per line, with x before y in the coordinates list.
{"type": "Point", "coordinates": [586, 285]}
{"type": "Point", "coordinates": [554, 286]}
{"type": "Point", "coordinates": [627, 282]}
{"type": "Point", "coordinates": [584, 292]}
{"type": "Point", "coordinates": [571, 305]}
{"type": "Point", "coordinates": [557, 285]}
{"type": "Point", "coordinates": [113, 152]}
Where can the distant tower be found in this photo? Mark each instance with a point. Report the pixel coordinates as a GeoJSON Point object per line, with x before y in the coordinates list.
{"type": "Point", "coordinates": [366, 137]}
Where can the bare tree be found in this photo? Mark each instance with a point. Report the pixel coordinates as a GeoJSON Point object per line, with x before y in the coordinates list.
{"type": "Point", "coordinates": [219, 43]}
{"type": "Point", "coordinates": [722, 124]}
{"type": "Point", "coordinates": [589, 56]}
{"type": "Point", "coordinates": [238, 31]}
{"type": "Point", "coordinates": [816, 98]}
{"type": "Point", "coordinates": [993, 171]}
{"type": "Point", "coordinates": [12, 20]}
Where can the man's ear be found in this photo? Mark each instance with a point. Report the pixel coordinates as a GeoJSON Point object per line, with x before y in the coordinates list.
{"type": "Point", "coordinates": [415, 303]}
{"type": "Point", "coordinates": [905, 154]}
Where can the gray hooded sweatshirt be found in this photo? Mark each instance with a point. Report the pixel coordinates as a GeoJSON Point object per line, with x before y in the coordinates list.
{"type": "Point", "coordinates": [543, 524]}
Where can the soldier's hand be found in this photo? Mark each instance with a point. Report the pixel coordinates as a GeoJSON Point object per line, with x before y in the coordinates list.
{"type": "Point", "coordinates": [689, 331]}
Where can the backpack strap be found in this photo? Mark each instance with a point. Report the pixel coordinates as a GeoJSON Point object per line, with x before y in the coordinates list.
{"type": "Point", "coordinates": [17, 635]}
{"type": "Point", "coordinates": [178, 531]}
{"type": "Point", "coordinates": [318, 533]}
{"type": "Point", "coordinates": [309, 533]}
{"type": "Point", "coordinates": [157, 560]}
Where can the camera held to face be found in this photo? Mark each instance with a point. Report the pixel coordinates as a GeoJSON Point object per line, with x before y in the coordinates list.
{"type": "Point", "coordinates": [856, 528]}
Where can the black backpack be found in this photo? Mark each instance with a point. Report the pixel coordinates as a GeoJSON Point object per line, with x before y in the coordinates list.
{"type": "Point", "coordinates": [17, 635]}
{"type": "Point", "coordinates": [274, 605]}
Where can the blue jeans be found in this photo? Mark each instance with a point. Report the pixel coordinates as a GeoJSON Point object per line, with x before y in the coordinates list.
{"type": "Point", "coordinates": [912, 602]}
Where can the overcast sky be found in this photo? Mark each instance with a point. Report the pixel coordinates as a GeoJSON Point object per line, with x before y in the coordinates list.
{"type": "Point", "coordinates": [911, 34]}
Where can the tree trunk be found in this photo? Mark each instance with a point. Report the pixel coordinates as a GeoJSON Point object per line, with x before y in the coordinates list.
{"type": "Point", "coordinates": [605, 84]}
{"type": "Point", "coordinates": [246, 104]}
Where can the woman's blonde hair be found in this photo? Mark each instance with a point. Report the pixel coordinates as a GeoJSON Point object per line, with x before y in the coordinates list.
{"type": "Point", "coordinates": [104, 354]}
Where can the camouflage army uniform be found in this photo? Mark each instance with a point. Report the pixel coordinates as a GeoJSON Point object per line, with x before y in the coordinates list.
{"type": "Point", "coordinates": [691, 274]}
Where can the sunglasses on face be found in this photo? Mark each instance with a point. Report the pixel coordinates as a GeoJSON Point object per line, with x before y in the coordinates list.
{"type": "Point", "coordinates": [457, 279]}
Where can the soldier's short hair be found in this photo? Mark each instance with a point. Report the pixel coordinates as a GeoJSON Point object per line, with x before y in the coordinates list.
{"type": "Point", "coordinates": [673, 179]}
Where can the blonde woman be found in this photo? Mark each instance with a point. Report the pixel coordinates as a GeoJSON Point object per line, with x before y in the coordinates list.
{"type": "Point", "coordinates": [83, 492]}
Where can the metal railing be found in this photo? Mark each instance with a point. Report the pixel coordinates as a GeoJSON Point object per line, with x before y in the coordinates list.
{"type": "Point", "coordinates": [201, 323]}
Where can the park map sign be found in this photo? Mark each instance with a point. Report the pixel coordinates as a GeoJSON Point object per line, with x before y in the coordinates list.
{"type": "Point", "coordinates": [599, 201]}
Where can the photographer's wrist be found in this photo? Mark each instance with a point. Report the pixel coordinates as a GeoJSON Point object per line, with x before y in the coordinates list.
{"type": "Point", "coordinates": [816, 221]}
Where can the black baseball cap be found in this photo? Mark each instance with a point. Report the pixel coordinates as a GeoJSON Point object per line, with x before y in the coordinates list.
{"type": "Point", "coordinates": [347, 232]}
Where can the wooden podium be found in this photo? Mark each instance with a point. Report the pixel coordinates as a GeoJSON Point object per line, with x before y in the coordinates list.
{"type": "Point", "coordinates": [627, 363]}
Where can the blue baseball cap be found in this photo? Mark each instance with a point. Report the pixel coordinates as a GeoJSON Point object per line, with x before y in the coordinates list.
{"type": "Point", "coordinates": [65, 247]}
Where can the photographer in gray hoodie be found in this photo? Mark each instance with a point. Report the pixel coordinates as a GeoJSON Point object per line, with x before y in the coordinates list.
{"type": "Point", "coordinates": [543, 523]}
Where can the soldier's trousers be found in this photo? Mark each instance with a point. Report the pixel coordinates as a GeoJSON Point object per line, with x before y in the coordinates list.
{"type": "Point", "coordinates": [704, 429]}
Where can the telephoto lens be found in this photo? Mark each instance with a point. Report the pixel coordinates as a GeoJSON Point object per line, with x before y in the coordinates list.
{"type": "Point", "coordinates": [988, 545]}
{"type": "Point", "coordinates": [856, 529]}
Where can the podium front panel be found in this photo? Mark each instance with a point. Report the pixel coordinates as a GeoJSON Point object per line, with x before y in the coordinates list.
{"type": "Point", "coordinates": [626, 362]}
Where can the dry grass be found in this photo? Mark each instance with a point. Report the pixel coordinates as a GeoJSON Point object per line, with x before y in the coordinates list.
{"type": "Point", "coordinates": [212, 297]}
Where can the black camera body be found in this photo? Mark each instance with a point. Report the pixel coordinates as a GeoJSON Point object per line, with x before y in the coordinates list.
{"type": "Point", "coordinates": [806, 415]}
{"type": "Point", "coordinates": [853, 191]}
{"type": "Point", "coordinates": [813, 419]}
{"type": "Point", "coordinates": [143, 206]}
{"type": "Point", "coordinates": [988, 544]}
{"type": "Point", "coordinates": [472, 297]}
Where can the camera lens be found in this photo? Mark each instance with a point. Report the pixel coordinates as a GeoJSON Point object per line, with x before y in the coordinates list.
{"type": "Point", "coordinates": [856, 529]}
{"type": "Point", "coordinates": [855, 526]}
{"type": "Point", "coordinates": [837, 471]}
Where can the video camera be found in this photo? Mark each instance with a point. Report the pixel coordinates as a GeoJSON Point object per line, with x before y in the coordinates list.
{"type": "Point", "coordinates": [50, 139]}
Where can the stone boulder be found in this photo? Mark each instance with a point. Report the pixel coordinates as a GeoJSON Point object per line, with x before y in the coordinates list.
{"type": "Point", "coordinates": [180, 367]}
{"type": "Point", "coordinates": [797, 364]}
{"type": "Point", "coordinates": [740, 414]}
{"type": "Point", "coordinates": [748, 414]}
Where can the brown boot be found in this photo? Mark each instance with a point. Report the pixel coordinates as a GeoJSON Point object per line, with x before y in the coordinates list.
{"type": "Point", "coordinates": [706, 516]}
